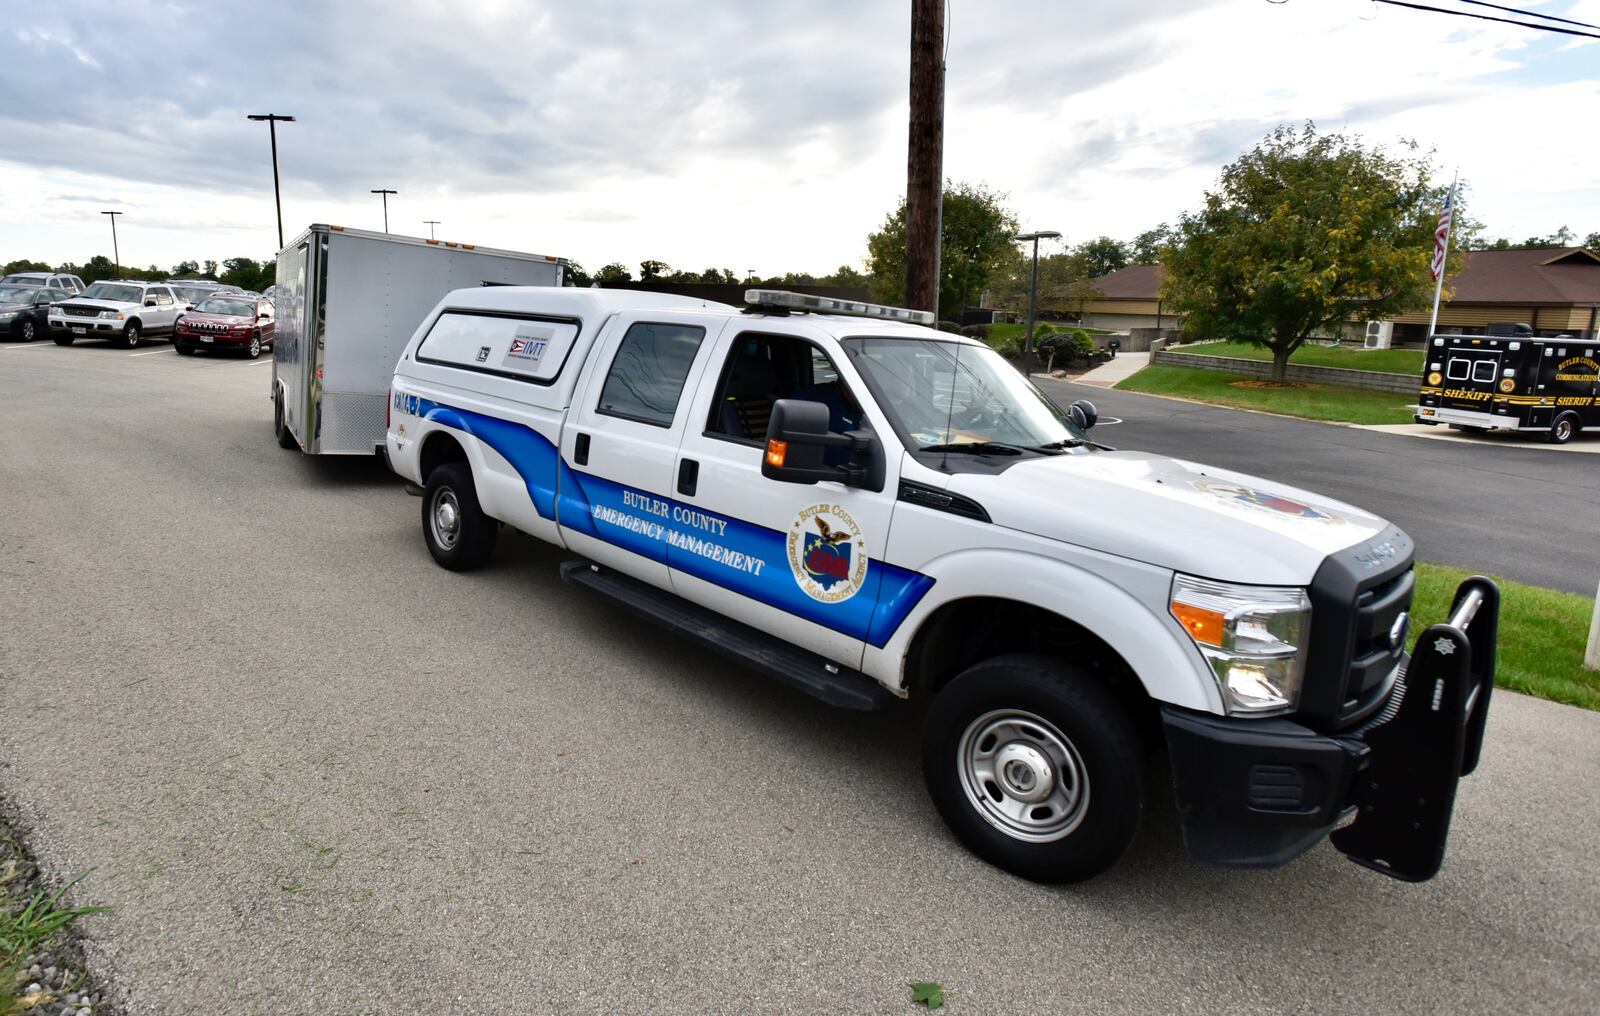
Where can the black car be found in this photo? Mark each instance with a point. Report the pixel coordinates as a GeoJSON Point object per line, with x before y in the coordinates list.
{"type": "Point", "coordinates": [24, 309]}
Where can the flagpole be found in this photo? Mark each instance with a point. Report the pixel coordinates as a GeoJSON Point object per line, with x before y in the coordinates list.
{"type": "Point", "coordinates": [1438, 284]}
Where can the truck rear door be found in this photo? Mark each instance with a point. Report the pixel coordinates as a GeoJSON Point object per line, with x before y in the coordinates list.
{"type": "Point", "coordinates": [1472, 370]}
{"type": "Point", "coordinates": [620, 442]}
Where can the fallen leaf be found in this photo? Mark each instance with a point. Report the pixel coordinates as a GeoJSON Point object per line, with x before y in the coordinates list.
{"type": "Point", "coordinates": [927, 993]}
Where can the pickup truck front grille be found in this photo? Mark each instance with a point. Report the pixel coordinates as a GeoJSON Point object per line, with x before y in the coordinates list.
{"type": "Point", "coordinates": [70, 311]}
{"type": "Point", "coordinates": [1360, 604]}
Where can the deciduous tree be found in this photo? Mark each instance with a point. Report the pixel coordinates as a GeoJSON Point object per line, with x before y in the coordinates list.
{"type": "Point", "coordinates": [1305, 232]}
{"type": "Point", "coordinates": [975, 244]}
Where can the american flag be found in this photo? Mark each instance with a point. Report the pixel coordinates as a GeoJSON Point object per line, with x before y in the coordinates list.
{"type": "Point", "coordinates": [1441, 235]}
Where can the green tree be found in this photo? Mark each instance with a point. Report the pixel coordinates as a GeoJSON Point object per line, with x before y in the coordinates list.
{"type": "Point", "coordinates": [576, 276]}
{"type": "Point", "coordinates": [844, 275]}
{"type": "Point", "coordinates": [724, 276]}
{"type": "Point", "coordinates": [616, 271]}
{"type": "Point", "coordinates": [974, 245]}
{"type": "Point", "coordinates": [185, 269]}
{"type": "Point", "coordinates": [247, 273]}
{"type": "Point", "coordinates": [1102, 256]}
{"type": "Point", "coordinates": [1306, 232]}
{"type": "Point", "coordinates": [1147, 247]}
{"type": "Point", "coordinates": [24, 265]}
{"type": "Point", "coordinates": [650, 271]}
{"type": "Point", "coordinates": [211, 270]}
{"type": "Point", "coordinates": [1592, 241]}
{"type": "Point", "coordinates": [97, 268]}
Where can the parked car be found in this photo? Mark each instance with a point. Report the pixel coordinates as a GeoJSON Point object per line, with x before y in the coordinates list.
{"type": "Point", "coordinates": [68, 284]}
{"type": "Point", "coordinates": [25, 310]}
{"type": "Point", "coordinates": [236, 323]}
{"type": "Point", "coordinates": [192, 291]}
{"type": "Point", "coordinates": [123, 312]}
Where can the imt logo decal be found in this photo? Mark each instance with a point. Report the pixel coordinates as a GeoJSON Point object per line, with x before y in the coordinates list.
{"type": "Point", "coordinates": [827, 554]}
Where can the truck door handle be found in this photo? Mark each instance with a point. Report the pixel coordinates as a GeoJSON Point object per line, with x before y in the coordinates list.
{"type": "Point", "coordinates": [580, 450]}
{"type": "Point", "coordinates": [688, 476]}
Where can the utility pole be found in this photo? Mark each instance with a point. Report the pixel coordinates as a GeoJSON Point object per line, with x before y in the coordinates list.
{"type": "Point", "coordinates": [1033, 295]}
{"type": "Point", "coordinates": [430, 223]}
{"type": "Point", "coordinates": [385, 192]}
{"type": "Point", "coordinates": [116, 255]}
{"type": "Point", "coordinates": [272, 120]}
{"type": "Point", "coordinates": [925, 156]}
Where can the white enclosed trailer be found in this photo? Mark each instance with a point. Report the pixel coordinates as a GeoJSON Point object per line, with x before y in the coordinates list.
{"type": "Point", "coordinates": [348, 300]}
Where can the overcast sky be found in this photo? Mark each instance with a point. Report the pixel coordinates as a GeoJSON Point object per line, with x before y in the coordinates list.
{"type": "Point", "coordinates": [742, 135]}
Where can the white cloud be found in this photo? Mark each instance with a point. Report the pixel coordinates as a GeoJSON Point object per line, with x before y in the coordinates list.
{"type": "Point", "coordinates": [728, 135]}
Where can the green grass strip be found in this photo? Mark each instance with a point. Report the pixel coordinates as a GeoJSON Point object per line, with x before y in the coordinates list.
{"type": "Point", "coordinates": [1334, 403]}
{"type": "Point", "coordinates": [1542, 635]}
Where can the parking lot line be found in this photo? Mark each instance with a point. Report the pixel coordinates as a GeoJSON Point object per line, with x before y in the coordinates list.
{"type": "Point", "coordinates": [30, 345]}
{"type": "Point", "coordinates": [150, 352]}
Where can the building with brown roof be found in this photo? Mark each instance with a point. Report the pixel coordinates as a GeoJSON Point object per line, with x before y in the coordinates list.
{"type": "Point", "coordinates": [1553, 290]}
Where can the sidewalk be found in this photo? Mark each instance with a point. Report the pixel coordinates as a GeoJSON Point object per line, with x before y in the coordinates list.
{"type": "Point", "coordinates": [1124, 365]}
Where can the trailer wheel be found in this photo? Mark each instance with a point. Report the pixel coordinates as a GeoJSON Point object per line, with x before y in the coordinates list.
{"type": "Point", "coordinates": [279, 428]}
{"type": "Point", "coordinates": [1563, 429]}
{"type": "Point", "coordinates": [460, 536]}
{"type": "Point", "coordinates": [1036, 767]}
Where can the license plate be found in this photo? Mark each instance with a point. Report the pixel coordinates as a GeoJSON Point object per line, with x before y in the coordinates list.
{"type": "Point", "coordinates": [78, 330]}
{"type": "Point", "coordinates": [205, 338]}
{"type": "Point", "coordinates": [1427, 412]}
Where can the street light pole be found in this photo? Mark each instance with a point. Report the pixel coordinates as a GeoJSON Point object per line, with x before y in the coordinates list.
{"type": "Point", "coordinates": [1033, 295]}
{"type": "Point", "coordinates": [430, 223]}
{"type": "Point", "coordinates": [116, 255]}
{"type": "Point", "coordinates": [272, 126]}
{"type": "Point", "coordinates": [385, 192]}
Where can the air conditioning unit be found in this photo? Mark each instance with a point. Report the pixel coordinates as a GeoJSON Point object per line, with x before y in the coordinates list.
{"type": "Point", "coordinates": [1379, 334]}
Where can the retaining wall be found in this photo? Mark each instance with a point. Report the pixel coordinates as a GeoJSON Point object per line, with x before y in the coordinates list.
{"type": "Point", "coordinates": [1370, 379]}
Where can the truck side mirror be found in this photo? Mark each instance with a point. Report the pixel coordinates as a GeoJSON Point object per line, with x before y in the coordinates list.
{"type": "Point", "coordinates": [150, 302]}
{"type": "Point", "coordinates": [1083, 414]}
{"type": "Point", "coordinates": [797, 433]}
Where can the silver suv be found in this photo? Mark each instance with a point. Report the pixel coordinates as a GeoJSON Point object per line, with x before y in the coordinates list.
{"type": "Point", "coordinates": [124, 312]}
{"type": "Point", "coordinates": [71, 285]}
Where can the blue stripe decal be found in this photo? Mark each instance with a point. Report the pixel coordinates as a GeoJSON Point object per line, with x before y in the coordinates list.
{"type": "Point", "coordinates": [748, 559]}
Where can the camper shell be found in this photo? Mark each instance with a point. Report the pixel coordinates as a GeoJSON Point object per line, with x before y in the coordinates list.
{"type": "Point", "coordinates": [1529, 384]}
{"type": "Point", "coordinates": [348, 300]}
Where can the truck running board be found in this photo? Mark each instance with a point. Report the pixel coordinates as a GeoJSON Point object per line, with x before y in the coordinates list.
{"type": "Point", "coordinates": [805, 671]}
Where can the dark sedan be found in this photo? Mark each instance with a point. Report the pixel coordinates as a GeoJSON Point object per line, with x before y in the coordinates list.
{"type": "Point", "coordinates": [24, 310]}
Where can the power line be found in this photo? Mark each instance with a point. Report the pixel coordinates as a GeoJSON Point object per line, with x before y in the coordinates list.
{"type": "Point", "coordinates": [1489, 17]}
{"type": "Point", "coordinates": [1531, 14]}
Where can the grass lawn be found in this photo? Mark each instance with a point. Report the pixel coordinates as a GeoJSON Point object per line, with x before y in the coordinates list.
{"type": "Point", "coordinates": [1312, 402]}
{"type": "Point", "coordinates": [1387, 361]}
{"type": "Point", "coordinates": [1542, 635]}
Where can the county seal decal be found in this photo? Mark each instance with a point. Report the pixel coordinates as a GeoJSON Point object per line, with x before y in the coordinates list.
{"type": "Point", "coordinates": [1252, 498]}
{"type": "Point", "coordinates": [827, 554]}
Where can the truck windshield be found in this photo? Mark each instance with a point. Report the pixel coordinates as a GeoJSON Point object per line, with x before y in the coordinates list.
{"type": "Point", "coordinates": [938, 399]}
{"type": "Point", "coordinates": [113, 293]}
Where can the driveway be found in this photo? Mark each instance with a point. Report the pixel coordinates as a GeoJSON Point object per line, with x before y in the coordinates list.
{"type": "Point", "coordinates": [314, 773]}
{"type": "Point", "coordinates": [1527, 514]}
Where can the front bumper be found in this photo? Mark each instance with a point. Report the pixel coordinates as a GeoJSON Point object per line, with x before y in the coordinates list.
{"type": "Point", "coordinates": [90, 326]}
{"type": "Point", "coordinates": [1257, 793]}
{"type": "Point", "coordinates": [224, 340]}
{"type": "Point", "coordinates": [1435, 415]}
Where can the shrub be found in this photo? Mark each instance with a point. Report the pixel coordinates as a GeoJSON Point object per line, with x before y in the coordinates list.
{"type": "Point", "coordinates": [977, 332]}
{"type": "Point", "coordinates": [1069, 346]}
{"type": "Point", "coordinates": [949, 326]}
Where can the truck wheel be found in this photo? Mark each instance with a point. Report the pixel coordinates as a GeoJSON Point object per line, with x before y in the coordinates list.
{"type": "Point", "coordinates": [460, 536]}
{"type": "Point", "coordinates": [279, 428]}
{"type": "Point", "coordinates": [1563, 429]}
{"type": "Point", "coordinates": [130, 335]}
{"type": "Point", "coordinates": [1035, 767]}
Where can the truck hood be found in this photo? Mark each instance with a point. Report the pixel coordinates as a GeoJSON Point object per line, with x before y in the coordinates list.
{"type": "Point", "coordinates": [1191, 518]}
{"type": "Point", "coordinates": [194, 317]}
{"type": "Point", "coordinates": [100, 304]}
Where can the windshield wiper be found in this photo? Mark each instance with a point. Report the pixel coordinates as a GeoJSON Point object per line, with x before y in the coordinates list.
{"type": "Point", "coordinates": [1067, 442]}
{"type": "Point", "coordinates": [976, 448]}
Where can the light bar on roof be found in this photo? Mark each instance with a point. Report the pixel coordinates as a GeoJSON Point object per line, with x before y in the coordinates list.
{"type": "Point", "coordinates": [786, 300]}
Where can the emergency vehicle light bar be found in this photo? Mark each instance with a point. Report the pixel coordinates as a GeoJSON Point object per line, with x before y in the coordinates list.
{"type": "Point", "coordinates": [786, 300]}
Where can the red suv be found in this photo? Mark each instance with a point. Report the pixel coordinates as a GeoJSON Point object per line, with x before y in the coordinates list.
{"type": "Point", "coordinates": [239, 323]}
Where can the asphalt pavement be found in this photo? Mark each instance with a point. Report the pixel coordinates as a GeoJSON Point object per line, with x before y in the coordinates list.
{"type": "Point", "coordinates": [314, 773]}
{"type": "Point", "coordinates": [1525, 511]}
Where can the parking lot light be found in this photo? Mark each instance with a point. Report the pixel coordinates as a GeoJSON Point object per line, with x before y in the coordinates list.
{"type": "Point", "coordinates": [116, 255]}
{"type": "Point", "coordinates": [272, 125]}
{"type": "Point", "coordinates": [385, 192]}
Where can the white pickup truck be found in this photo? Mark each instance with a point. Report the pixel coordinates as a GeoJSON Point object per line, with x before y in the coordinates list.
{"type": "Point", "coordinates": [864, 508]}
{"type": "Point", "coordinates": [123, 312]}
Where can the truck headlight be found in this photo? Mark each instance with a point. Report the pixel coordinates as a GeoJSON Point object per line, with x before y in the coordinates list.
{"type": "Point", "coordinates": [1254, 638]}
{"type": "Point", "coordinates": [115, 315]}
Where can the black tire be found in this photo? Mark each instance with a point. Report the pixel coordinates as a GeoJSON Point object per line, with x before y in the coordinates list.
{"type": "Point", "coordinates": [63, 338]}
{"type": "Point", "coordinates": [1077, 836]}
{"type": "Point", "coordinates": [183, 348]}
{"type": "Point", "coordinates": [472, 541]}
{"type": "Point", "coordinates": [1564, 429]}
{"type": "Point", "coordinates": [28, 332]}
{"type": "Point", "coordinates": [279, 428]}
{"type": "Point", "coordinates": [131, 335]}
{"type": "Point", "coordinates": [253, 351]}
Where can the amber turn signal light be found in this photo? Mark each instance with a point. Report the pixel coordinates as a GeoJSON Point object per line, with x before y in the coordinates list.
{"type": "Point", "coordinates": [776, 451]}
{"type": "Point", "coordinates": [1205, 626]}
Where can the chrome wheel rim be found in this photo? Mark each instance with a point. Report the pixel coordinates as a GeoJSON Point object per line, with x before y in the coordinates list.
{"type": "Point", "coordinates": [1023, 775]}
{"type": "Point", "coordinates": [1563, 430]}
{"type": "Point", "coordinates": [255, 348]}
{"type": "Point", "coordinates": [445, 518]}
{"type": "Point", "coordinates": [27, 331]}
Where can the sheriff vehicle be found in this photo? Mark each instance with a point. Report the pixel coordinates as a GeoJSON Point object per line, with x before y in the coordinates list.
{"type": "Point", "coordinates": [1544, 386]}
{"type": "Point", "coordinates": [864, 508]}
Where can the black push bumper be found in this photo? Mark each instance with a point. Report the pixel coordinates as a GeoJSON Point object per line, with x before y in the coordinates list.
{"type": "Point", "coordinates": [1256, 793]}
